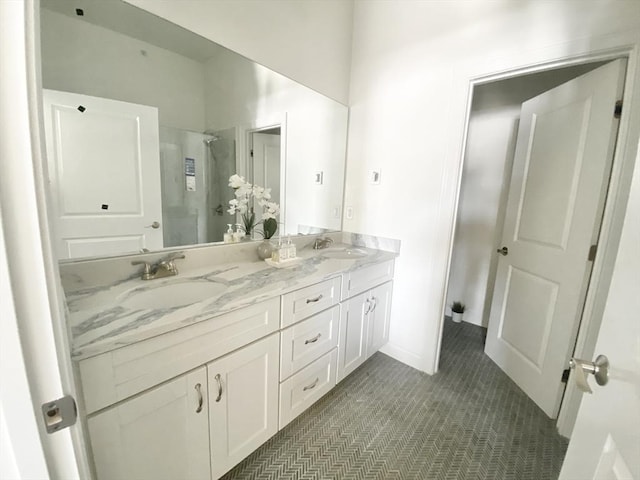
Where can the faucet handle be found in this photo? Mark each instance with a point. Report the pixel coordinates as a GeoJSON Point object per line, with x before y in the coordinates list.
{"type": "Point", "coordinates": [146, 271]}
{"type": "Point", "coordinates": [173, 256]}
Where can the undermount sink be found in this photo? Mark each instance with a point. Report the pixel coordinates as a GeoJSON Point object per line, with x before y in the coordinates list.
{"type": "Point", "coordinates": [171, 295]}
{"type": "Point", "coordinates": [344, 253]}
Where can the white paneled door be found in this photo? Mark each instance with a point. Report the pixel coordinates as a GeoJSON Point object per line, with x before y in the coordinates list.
{"type": "Point", "coordinates": [605, 443]}
{"type": "Point", "coordinates": [104, 174]}
{"type": "Point", "coordinates": [560, 174]}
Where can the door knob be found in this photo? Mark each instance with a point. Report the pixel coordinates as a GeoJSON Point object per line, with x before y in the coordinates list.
{"type": "Point", "coordinates": [154, 225]}
{"type": "Point", "coordinates": [503, 251]}
{"type": "Point", "coordinates": [599, 368]}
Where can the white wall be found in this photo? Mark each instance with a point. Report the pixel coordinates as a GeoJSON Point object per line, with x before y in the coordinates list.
{"type": "Point", "coordinates": [83, 58]}
{"type": "Point", "coordinates": [412, 62]}
{"type": "Point", "coordinates": [308, 41]}
{"type": "Point", "coordinates": [243, 94]}
{"type": "Point", "coordinates": [490, 147]}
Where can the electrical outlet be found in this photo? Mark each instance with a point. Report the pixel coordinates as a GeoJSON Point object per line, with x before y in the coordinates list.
{"type": "Point", "coordinates": [349, 212]}
{"type": "Point", "coordinates": [374, 177]}
{"type": "Point", "coordinates": [319, 178]}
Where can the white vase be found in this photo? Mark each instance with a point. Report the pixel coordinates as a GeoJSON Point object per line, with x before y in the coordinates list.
{"type": "Point", "coordinates": [456, 317]}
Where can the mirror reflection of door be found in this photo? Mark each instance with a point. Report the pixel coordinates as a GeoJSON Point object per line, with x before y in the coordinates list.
{"type": "Point", "coordinates": [264, 163]}
{"type": "Point", "coordinates": [104, 174]}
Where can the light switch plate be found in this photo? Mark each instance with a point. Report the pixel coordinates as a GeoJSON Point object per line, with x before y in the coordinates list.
{"type": "Point", "coordinates": [318, 178]}
{"type": "Point", "coordinates": [374, 176]}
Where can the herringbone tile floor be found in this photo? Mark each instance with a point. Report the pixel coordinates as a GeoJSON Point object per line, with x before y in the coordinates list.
{"type": "Point", "coordinates": [389, 421]}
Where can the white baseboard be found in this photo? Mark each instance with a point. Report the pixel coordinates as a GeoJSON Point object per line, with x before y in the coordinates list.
{"type": "Point", "coordinates": [402, 355]}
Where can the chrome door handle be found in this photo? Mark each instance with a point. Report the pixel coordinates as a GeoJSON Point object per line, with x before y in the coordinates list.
{"type": "Point", "coordinates": [599, 368]}
{"type": "Point", "coordinates": [313, 385]}
{"type": "Point", "coordinates": [504, 251]}
{"type": "Point", "coordinates": [218, 379]}
{"type": "Point", "coordinates": [313, 340]}
{"type": "Point", "coordinates": [314, 300]}
{"type": "Point", "coordinates": [200, 398]}
{"type": "Point", "coordinates": [368, 309]}
{"type": "Point", "coordinates": [153, 225]}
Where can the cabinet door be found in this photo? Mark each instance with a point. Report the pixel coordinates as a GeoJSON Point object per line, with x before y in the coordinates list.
{"type": "Point", "coordinates": [379, 315]}
{"type": "Point", "coordinates": [243, 406]}
{"type": "Point", "coordinates": [161, 434]}
{"type": "Point", "coordinates": [352, 350]}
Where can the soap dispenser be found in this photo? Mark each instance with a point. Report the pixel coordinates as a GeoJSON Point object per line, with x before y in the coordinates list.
{"type": "Point", "coordinates": [291, 248]}
{"type": "Point", "coordinates": [228, 236]}
{"type": "Point", "coordinates": [239, 233]}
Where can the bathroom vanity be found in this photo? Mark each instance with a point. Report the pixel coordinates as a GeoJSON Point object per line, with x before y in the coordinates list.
{"type": "Point", "coordinates": [186, 376]}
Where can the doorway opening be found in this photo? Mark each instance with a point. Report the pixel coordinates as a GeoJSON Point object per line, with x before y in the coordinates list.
{"type": "Point", "coordinates": [491, 144]}
{"type": "Point", "coordinates": [264, 164]}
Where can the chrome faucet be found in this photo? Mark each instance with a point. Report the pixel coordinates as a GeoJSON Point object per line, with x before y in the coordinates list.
{"type": "Point", "coordinates": [322, 243]}
{"type": "Point", "coordinates": [163, 268]}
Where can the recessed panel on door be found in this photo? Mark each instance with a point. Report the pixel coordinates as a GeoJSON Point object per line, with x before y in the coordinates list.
{"type": "Point", "coordinates": [529, 305]}
{"type": "Point", "coordinates": [98, 162]}
{"type": "Point", "coordinates": [551, 174]}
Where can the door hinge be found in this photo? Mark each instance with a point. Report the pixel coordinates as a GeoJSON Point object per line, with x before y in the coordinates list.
{"type": "Point", "coordinates": [565, 375]}
{"type": "Point", "coordinates": [60, 413]}
{"type": "Point", "coordinates": [617, 111]}
{"type": "Point", "coordinates": [592, 253]}
{"type": "Point", "coordinates": [251, 152]}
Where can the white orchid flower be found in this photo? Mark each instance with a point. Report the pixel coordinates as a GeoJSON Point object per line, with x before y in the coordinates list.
{"type": "Point", "coordinates": [243, 191]}
{"type": "Point", "coordinates": [236, 181]}
{"type": "Point", "coordinates": [258, 191]}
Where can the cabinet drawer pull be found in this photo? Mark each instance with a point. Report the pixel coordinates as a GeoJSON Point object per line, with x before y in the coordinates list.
{"type": "Point", "coordinates": [368, 308]}
{"type": "Point", "coordinates": [375, 303]}
{"type": "Point", "coordinates": [313, 340]}
{"type": "Point", "coordinates": [218, 379]}
{"type": "Point", "coordinates": [314, 300]}
{"type": "Point", "coordinates": [309, 387]}
{"type": "Point", "coordinates": [200, 399]}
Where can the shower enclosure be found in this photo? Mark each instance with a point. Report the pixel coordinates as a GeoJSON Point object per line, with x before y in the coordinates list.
{"type": "Point", "coordinates": [195, 169]}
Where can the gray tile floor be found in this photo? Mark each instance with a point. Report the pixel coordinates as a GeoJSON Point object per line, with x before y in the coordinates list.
{"type": "Point", "coordinates": [389, 421]}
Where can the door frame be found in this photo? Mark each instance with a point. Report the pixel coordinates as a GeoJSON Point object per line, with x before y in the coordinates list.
{"type": "Point", "coordinates": [244, 140]}
{"type": "Point", "coordinates": [625, 46]}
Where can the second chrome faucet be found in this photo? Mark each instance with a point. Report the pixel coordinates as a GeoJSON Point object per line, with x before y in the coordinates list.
{"type": "Point", "coordinates": [165, 267]}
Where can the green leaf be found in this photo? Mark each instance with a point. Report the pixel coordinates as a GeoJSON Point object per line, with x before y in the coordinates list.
{"type": "Point", "coordinates": [269, 226]}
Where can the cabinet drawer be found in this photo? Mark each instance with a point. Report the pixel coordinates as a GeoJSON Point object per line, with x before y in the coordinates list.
{"type": "Point", "coordinates": [308, 301]}
{"type": "Point", "coordinates": [363, 279]}
{"type": "Point", "coordinates": [113, 376]}
{"type": "Point", "coordinates": [304, 342]}
{"type": "Point", "coordinates": [307, 386]}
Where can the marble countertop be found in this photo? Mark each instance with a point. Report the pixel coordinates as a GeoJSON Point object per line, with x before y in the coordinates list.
{"type": "Point", "coordinates": [104, 317]}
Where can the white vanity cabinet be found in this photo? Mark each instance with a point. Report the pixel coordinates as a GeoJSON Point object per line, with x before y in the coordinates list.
{"type": "Point", "coordinates": [194, 402]}
{"type": "Point", "coordinates": [353, 334]}
{"type": "Point", "coordinates": [378, 317]}
{"type": "Point", "coordinates": [243, 402]}
{"type": "Point", "coordinates": [161, 434]}
{"type": "Point", "coordinates": [365, 315]}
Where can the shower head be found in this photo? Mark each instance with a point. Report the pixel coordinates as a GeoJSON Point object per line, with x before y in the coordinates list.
{"type": "Point", "coordinates": [209, 141]}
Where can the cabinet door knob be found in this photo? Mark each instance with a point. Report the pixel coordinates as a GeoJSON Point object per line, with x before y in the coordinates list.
{"type": "Point", "coordinates": [219, 380]}
{"type": "Point", "coordinates": [314, 300]}
{"type": "Point", "coordinates": [200, 398]}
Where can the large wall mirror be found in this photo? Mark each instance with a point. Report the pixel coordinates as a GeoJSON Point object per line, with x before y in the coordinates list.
{"type": "Point", "coordinates": [145, 122]}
